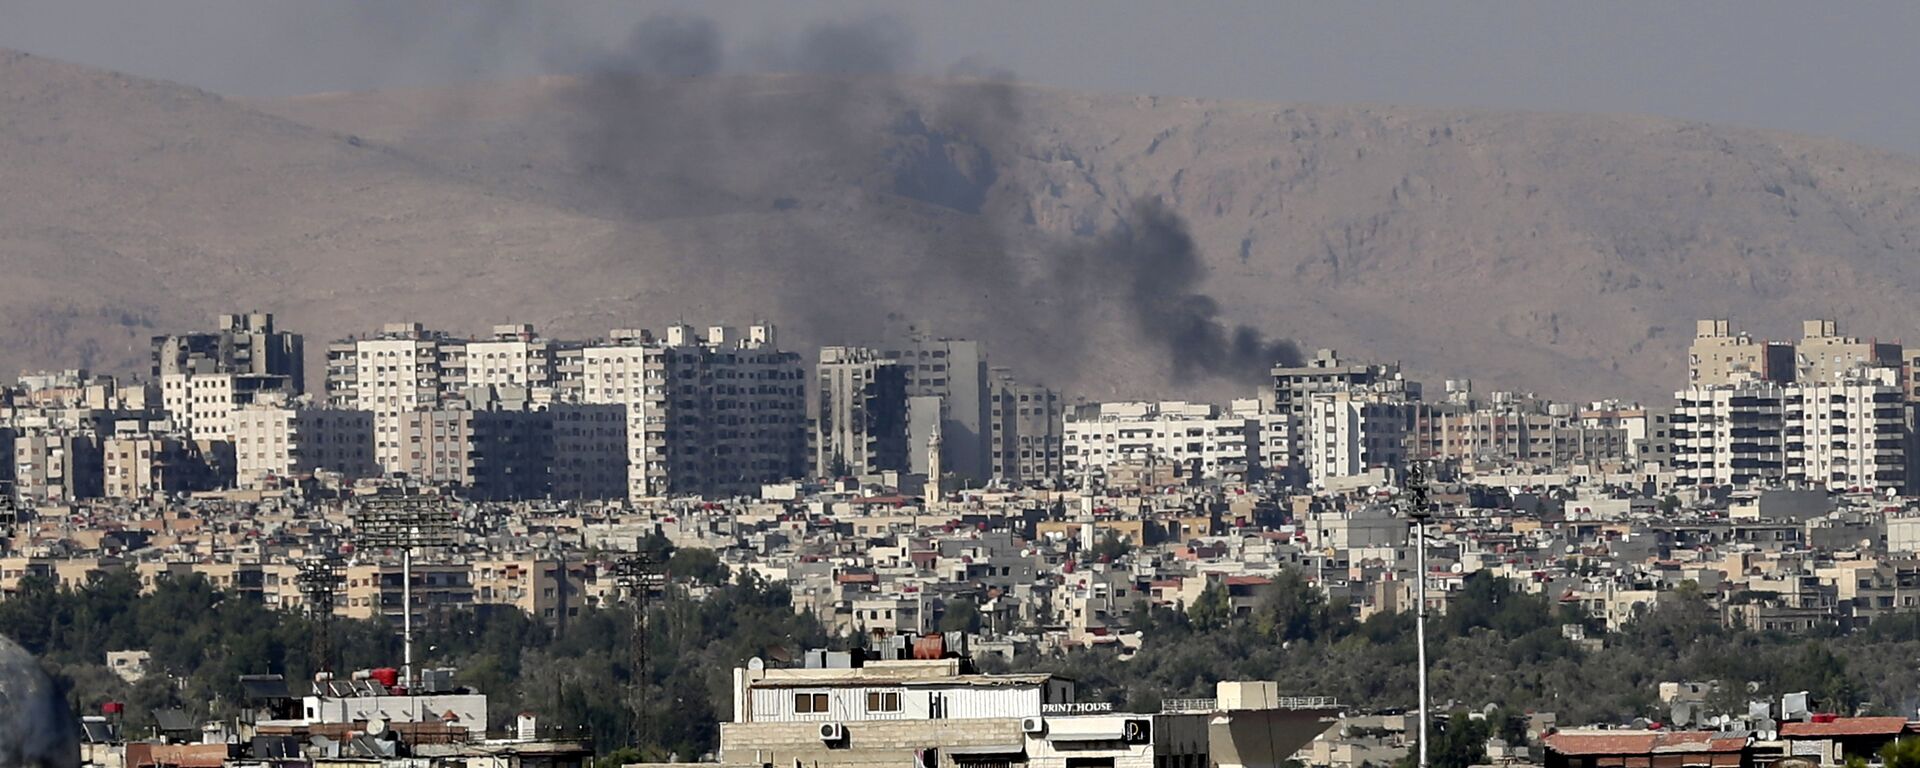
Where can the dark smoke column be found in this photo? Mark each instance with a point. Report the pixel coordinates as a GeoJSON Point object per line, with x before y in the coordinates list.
{"type": "Point", "coordinates": [1154, 256]}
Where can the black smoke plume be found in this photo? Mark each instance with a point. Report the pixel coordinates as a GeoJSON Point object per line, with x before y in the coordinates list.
{"type": "Point", "coordinates": [664, 109]}
{"type": "Point", "coordinates": [1153, 256]}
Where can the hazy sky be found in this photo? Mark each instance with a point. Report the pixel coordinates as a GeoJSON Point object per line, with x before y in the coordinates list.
{"type": "Point", "coordinates": [1844, 70]}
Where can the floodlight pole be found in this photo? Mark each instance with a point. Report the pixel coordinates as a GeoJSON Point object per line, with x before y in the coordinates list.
{"type": "Point", "coordinates": [406, 615]}
{"type": "Point", "coordinates": [1417, 509]}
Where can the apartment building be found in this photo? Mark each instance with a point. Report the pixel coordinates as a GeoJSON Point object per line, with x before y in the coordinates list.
{"type": "Point", "coordinates": [589, 451]}
{"type": "Point", "coordinates": [716, 415]}
{"type": "Point", "coordinates": [375, 589]}
{"type": "Point", "coordinates": [1326, 372]}
{"type": "Point", "coordinates": [284, 442]}
{"type": "Point", "coordinates": [860, 413]}
{"type": "Point", "coordinates": [953, 372]}
{"type": "Point", "coordinates": [1730, 434]}
{"type": "Point", "coordinates": [202, 404]}
{"type": "Point", "coordinates": [139, 466]}
{"type": "Point", "coordinates": [1720, 353]}
{"type": "Point", "coordinates": [548, 590]}
{"type": "Point", "coordinates": [242, 344]}
{"type": "Point", "coordinates": [1647, 430]}
{"type": "Point", "coordinates": [57, 466]}
{"type": "Point", "coordinates": [1513, 429]}
{"type": "Point", "coordinates": [1026, 436]}
{"type": "Point", "coordinates": [388, 374]}
{"type": "Point", "coordinates": [1847, 432]}
{"type": "Point", "coordinates": [490, 455]}
{"type": "Point", "coordinates": [1352, 431]}
{"type": "Point", "coordinates": [1825, 356]}
{"type": "Point", "coordinates": [1199, 440]}
{"type": "Point", "coordinates": [512, 356]}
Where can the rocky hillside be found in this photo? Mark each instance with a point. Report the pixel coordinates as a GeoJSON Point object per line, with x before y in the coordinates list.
{"type": "Point", "coordinates": [1562, 253]}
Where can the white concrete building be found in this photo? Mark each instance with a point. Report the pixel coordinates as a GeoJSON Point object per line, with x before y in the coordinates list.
{"type": "Point", "coordinates": [1730, 434]}
{"type": "Point", "coordinates": [394, 372]}
{"type": "Point", "coordinates": [202, 404]}
{"type": "Point", "coordinates": [1847, 434]}
{"type": "Point", "coordinates": [1350, 432]}
{"type": "Point", "coordinates": [1844, 434]}
{"type": "Point", "coordinates": [286, 442]}
{"type": "Point", "coordinates": [1196, 437]}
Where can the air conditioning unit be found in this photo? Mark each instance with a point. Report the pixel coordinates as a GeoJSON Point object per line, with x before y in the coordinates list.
{"type": "Point", "coordinates": [1137, 732]}
{"type": "Point", "coordinates": [1033, 725]}
{"type": "Point", "coordinates": [832, 732]}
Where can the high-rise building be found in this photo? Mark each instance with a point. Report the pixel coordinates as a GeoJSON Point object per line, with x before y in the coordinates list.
{"type": "Point", "coordinates": [1824, 356]}
{"type": "Point", "coordinates": [713, 416]}
{"type": "Point", "coordinates": [954, 371]}
{"type": "Point", "coordinates": [1721, 353]}
{"type": "Point", "coordinates": [860, 413]}
{"type": "Point", "coordinates": [202, 404]}
{"type": "Point", "coordinates": [287, 442]}
{"type": "Point", "coordinates": [243, 344]}
{"type": "Point", "coordinates": [1295, 386]}
{"type": "Point", "coordinates": [1354, 430]}
{"type": "Point", "coordinates": [1847, 433]}
{"type": "Point", "coordinates": [589, 451]}
{"type": "Point", "coordinates": [1027, 429]}
{"type": "Point", "coordinates": [513, 356]}
{"type": "Point", "coordinates": [392, 373]}
{"type": "Point", "coordinates": [492, 455]}
{"type": "Point", "coordinates": [1730, 434]}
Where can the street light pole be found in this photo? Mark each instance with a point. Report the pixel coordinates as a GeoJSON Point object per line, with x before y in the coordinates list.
{"type": "Point", "coordinates": [1417, 509]}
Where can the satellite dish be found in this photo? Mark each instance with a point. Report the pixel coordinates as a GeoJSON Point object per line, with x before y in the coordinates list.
{"type": "Point", "coordinates": [756, 664]}
{"type": "Point", "coordinates": [376, 727]}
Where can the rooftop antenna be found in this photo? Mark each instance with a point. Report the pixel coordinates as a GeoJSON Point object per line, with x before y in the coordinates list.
{"type": "Point", "coordinates": [1419, 510]}
{"type": "Point", "coordinates": [400, 519]}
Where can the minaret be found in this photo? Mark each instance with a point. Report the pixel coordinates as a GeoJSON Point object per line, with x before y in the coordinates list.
{"type": "Point", "coordinates": [933, 464]}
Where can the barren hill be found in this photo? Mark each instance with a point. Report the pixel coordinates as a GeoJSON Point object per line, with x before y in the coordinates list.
{"type": "Point", "coordinates": [1562, 253]}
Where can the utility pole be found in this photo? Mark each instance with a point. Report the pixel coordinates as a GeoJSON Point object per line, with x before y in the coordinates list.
{"type": "Point", "coordinates": [398, 519]}
{"type": "Point", "coordinates": [1419, 510]}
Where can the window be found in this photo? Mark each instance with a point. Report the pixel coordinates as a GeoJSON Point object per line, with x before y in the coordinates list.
{"type": "Point", "coordinates": [810, 703]}
{"type": "Point", "coordinates": [883, 701]}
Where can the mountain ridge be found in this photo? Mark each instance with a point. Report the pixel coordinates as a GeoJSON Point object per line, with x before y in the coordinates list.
{"type": "Point", "coordinates": [1556, 252]}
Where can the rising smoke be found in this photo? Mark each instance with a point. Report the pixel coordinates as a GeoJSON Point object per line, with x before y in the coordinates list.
{"type": "Point", "coordinates": [661, 109]}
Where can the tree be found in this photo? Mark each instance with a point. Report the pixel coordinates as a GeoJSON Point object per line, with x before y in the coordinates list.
{"type": "Point", "coordinates": [1111, 548]}
{"type": "Point", "coordinates": [1293, 609]}
{"type": "Point", "coordinates": [961, 616]}
{"type": "Point", "coordinates": [1210, 610]}
{"type": "Point", "coordinates": [1901, 753]}
{"type": "Point", "coordinates": [699, 566]}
